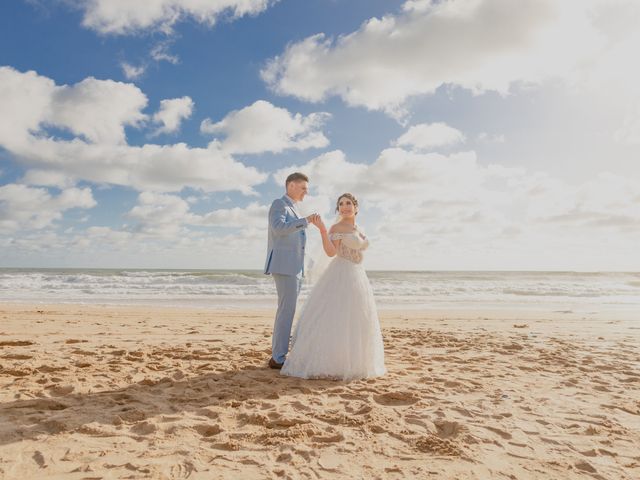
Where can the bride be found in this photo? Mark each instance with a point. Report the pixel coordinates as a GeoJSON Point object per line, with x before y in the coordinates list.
{"type": "Point", "coordinates": [338, 334]}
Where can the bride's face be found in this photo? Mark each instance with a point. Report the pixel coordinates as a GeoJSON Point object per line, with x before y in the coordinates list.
{"type": "Point", "coordinates": [346, 208]}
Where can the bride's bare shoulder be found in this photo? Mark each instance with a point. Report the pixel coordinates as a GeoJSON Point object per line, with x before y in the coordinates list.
{"type": "Point", "coordinates": [340, 228]}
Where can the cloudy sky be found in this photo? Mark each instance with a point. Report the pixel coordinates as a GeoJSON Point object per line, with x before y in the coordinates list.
{"type": "Point", "coordinates": [477, 134]}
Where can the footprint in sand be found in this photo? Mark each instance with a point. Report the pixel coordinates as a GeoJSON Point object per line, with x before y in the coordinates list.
{"type": "Point", "coordinates": [585, 466]}
{"type": "Point", "coordinates": [45, 404]}
{"type": "Point", "coordinates": [253, 418]}
{"type": "Point", "coordinates": [49, 369]}
{"type": "Point", "coordinates": [15, 372]}
{"type": "Point", "coordinates": [208, 430]}
{"type": "Point", "coordinates": [449, 428]}
{"type": "Point", "coordinates": [396, 399]}
{"type": "Point", "coordinates": [79, 351]}
{"type": "Point", "coordinates": [416, 420]}
{"type": "Point", "coordinates": [229, 446]}
{"type": "Point", "coordinates": [502, 433]}
{"type": "Point", "coordinates": [182, 470]}
{"type": "Point", "coordinates": [15, 343]}
{"type": "Point", "coordinates": [16, 356]}
{"type": "Point", "coordinates": [39, 459]}
{"type": "Point", "coordinates": [207, 412]}
{"type": "Point", "coordinates": [375, 428]}
{"type": "Point", "coordinates": [54, 427]}
{"type": "Point", "coordinates": [144, 428]}
{"type": "Point", "coordinates": [330, 461]}
{"type": "Point", "coordinates": [297, 405]}
{"type": "Point", "coordinates": [60, 390]}
{"type": "Point", "coordinates": [463, 411]}
{"type": "Point", "coordinates": [352, 396]}
{"type": "Point", "coordinates": [358, 408]}
{"type": "Point", "coordinates": [132, 415]}
{"type": "Point", "coordinates": [338, 437]}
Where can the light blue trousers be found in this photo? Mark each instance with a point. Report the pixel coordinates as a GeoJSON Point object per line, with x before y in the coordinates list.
{"type": "Point", "coordinates": [288, 287]}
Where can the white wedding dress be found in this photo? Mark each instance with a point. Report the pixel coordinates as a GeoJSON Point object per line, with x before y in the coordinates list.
{"type": "Point", "coordinates": [338, 334]}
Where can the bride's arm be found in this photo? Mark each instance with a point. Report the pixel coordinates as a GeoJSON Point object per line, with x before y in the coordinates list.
{"type": "Point", "coordinates": [330, 247]}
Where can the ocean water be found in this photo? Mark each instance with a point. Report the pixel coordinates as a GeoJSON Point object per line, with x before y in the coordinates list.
{"type": "Point", "coordinates": [249, 289]}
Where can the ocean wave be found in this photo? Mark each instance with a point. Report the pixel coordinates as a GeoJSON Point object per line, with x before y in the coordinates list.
{"type": "Point", "coordinates": [391, 287]}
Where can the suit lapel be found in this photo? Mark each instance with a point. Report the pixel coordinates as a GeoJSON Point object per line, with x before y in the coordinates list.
{"type": "Point", "coordinates": [290, 203]}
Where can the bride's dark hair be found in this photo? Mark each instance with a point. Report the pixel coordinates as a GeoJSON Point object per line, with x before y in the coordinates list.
{"type": "Point", "coordinates": [353, 199]}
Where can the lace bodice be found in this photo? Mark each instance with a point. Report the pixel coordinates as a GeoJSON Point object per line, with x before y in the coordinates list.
{"type": "Point", "coordinates": [351, 245]}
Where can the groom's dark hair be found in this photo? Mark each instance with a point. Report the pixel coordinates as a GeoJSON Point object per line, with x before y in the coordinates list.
{"type": "Point", "coordinates": [296, 177]}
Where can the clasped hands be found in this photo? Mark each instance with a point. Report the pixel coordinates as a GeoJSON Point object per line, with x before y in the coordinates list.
{"type": "Point", "coordinates": [316, 219]}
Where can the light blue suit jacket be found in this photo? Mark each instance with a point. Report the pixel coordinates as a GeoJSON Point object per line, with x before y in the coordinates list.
{"type": "Point", "coordinates": [287, 239]}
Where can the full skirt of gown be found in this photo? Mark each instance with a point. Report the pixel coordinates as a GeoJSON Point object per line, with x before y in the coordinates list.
{"type": "Point", "coordinates": [338, 335]}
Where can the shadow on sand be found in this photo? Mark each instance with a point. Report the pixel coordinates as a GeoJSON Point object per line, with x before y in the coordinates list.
{"type": "Point", "coordinates": [28, 419]}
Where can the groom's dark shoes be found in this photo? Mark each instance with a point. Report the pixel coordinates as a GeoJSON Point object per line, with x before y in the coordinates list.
{"type": "Point", "coordinates": [274, 364]}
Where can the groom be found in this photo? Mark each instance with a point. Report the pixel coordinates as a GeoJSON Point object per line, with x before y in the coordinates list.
{"type": "Point", "coordinates": [285, 260]}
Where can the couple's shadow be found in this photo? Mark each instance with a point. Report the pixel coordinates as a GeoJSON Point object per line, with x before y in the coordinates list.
{"type": "Point", "coordinates": [247, 387]}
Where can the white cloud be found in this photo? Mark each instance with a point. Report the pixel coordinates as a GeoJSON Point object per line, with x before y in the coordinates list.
{"type": "Point", "coordinates": [160, 214]}
{"type": "Point", "coordinates": [121, 17]}
{"type": "Point", "coordinates": [429, 205]}
{"type": "Point", "coordinates": [107, 237]}
{"type": "Point", "coordinates": [485, 137]}
{"type": "Point", "coordinates": [321, 204]}
{"type": "Point", "coordinates": [427, 136]}
{"type": "Point", "coordinates": [167, 168]}
{"type": "Point", "coordinates": [480, 45]}
{"type": "Point", "coordinates": [160, 53]}
{"type": "Point", "coordinates": [421, 210]}
{"type": "Point", "coordinates": [161, 229]}
{"type": "Point", "coordinates": [106, 247]}
{"type": "Point", "coordinates": [171, 114]}
{"type": "Point", "coordinates": [132, 72]}
{"type": "Point", "coordinates": [169, 217]}
{"type": "Point", "coordinates": [28, 244]}
{"type": "Point", "coordinates": [26, 102]}
{"type": "Point", "coordinates": [98, 109]}
{"type": "Point", "coordinates": [263, 127]}
{"type": "Point", "coordinates": [396, 174]}
{"type": "Point", "coordinates": [328, 173]}
{"type": "Point", "coordinates": [253, 215]}
{"type": "Point", "coordinates": [47, 178]}
{"type": "Point", "coordinates": [167, 214]}
{"type": "Point", "coordinates": [27, 208]}
{"type": "Point", "coordinates": [98, 112]}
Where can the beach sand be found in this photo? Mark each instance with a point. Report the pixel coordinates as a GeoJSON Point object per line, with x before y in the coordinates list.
{"type": "Point", "coordinates": [92, 392]}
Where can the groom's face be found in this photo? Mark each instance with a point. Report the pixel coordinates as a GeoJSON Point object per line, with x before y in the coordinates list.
{"type": "Point", "coordinates": [297, 190]}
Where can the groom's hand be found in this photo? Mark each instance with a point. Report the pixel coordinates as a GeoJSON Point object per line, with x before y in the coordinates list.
{"type": "Point", "coordinates": [317, 221]}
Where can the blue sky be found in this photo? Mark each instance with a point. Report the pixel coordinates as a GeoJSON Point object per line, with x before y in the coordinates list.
{"type": "Point", "coordinates": [477, 135]}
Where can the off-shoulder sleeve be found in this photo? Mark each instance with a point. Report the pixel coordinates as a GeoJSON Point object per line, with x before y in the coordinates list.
{"type": "Point", "coordinates": [336, 236]}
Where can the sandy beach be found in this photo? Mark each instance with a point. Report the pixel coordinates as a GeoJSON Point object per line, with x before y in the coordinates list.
{"type": "Point", "coordinates": [105, 392]}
